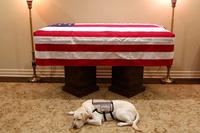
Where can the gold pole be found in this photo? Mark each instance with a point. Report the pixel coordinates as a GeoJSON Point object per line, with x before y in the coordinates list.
{"type": "Point", "coordinates": [172, 19]}
{"type": "Point", "coordinates": [35, 78]}
{"type": "Point", "coordinates": [167, 79]}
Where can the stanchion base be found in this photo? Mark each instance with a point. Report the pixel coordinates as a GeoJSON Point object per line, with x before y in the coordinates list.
{"type": "Point", "coordinates": [167, 81]}
{"type": "Point", "coordinates": [35, 79]}
{"type": "Point", "coordinates": [80, 80]}
{"type": "Point", "coordinates": [127, 81]}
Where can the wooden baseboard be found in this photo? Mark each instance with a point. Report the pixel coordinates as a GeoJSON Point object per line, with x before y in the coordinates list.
{"type": "Point", "coordinates": [103, 75]}
{"type": "Point", "coordinates": [101, 72]}
{"type": "Point", "coordinates": [99, 80]}
{"type": "Point", "coordinates": [176, 81]}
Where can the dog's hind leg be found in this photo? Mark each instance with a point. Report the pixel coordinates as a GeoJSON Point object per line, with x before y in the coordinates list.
{"type": "Point", "coordinates": [125, 117]}
{"type": "Point", "coordinates": [120, 124]}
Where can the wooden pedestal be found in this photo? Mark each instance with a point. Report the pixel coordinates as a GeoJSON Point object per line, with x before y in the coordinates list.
{"type": "Point", "coordinates": [127, 81]}
{"type": "Point", "coordinates": [80, 81]}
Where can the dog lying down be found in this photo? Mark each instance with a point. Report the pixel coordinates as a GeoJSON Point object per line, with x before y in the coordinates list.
{"type": "Point", "coordinates": [95, 111]}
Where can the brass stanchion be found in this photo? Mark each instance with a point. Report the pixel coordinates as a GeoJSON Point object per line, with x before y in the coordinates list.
{"type": "Point", "coordinates": [167, 79]}
{"type": "Point", "coordinates": [35, 78]}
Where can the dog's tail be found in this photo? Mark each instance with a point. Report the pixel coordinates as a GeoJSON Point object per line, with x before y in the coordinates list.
{"type": "Point", "coordinates": [137, 117]}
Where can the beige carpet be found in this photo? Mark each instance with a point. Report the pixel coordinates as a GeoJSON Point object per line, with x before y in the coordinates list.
{"type": "Point", "coordinates": [42, 107]}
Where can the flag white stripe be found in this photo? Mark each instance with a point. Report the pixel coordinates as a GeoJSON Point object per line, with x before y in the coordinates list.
{"type": "Point", "coordinates": [103, 40]}
{"type": "Point", "coordinates": [111, 29]}
{"type": "Point", "coordinates": [141, 24]}
{"type": "Point", "coordinates": [104, 55]}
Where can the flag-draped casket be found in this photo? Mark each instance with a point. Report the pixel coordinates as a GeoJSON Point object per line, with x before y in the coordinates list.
{"type": "Point", "coordinates": [86, 44]}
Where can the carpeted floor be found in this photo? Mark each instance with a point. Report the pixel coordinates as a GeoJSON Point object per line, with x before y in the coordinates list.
{"type": "Point", "coordinates": [42, 107]}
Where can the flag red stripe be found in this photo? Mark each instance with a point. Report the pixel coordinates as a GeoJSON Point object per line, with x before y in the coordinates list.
{"type": "Point", "coordinates": [104, 48]}
{"type": "Point", "coordinates": [102, 34]}
{"type": "Point", "coordinates": [103, 62]}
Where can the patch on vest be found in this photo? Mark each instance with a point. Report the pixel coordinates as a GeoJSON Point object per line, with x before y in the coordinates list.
{"type": "Point", "coordinates": [103, 106]}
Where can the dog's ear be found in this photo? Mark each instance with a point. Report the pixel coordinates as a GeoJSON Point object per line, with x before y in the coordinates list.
{"type": "Point", "coordinates": [89, 114]}
{"type": "Point", "coordinates": [70, 113]}
{"type": "Point", "coordinates": [85, 116]}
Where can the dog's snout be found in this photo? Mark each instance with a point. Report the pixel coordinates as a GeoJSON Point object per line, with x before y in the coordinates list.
{"type": "Point", "coordinates": [75, 126]}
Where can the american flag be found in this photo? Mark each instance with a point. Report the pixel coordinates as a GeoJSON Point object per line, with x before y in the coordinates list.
{"type": "Point", "coordinates": [93, 44]}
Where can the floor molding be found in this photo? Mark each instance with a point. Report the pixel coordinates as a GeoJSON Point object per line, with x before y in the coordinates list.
{"type": "Point", "coordinates": [99, 80]}
{"type": "Point", "coordinates": [102, 72]}
{"type": "Point", "coordinates": [54, 74]}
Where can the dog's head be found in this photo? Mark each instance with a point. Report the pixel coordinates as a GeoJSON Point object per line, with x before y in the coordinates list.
{"type": "Point", "coordinates": [80, 117]}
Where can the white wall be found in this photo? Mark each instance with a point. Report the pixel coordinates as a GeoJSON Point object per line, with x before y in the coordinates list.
{"type": "Point", "coordinates": [15, 52]}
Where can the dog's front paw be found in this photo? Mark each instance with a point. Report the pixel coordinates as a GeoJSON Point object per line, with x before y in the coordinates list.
{"type": "Point", "coordinates": [70, 112]}
{"type": "Point", "coordinates": [94, 122]}
{"type": "Point", "coordinates": [72, 130]}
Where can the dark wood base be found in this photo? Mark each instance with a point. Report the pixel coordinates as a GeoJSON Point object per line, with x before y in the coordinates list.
{"type": "Point", "coordinates": [127, 81]}
{"type": "Point", "coordinates": [80, 81]}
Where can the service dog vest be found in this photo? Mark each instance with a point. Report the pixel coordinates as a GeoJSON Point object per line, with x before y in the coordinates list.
{"type": "Point", "coordinates": [103, 107]}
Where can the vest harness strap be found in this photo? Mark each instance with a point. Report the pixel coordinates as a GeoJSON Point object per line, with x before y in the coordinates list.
{"type": "Point", "coordinates": [103, 107]}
